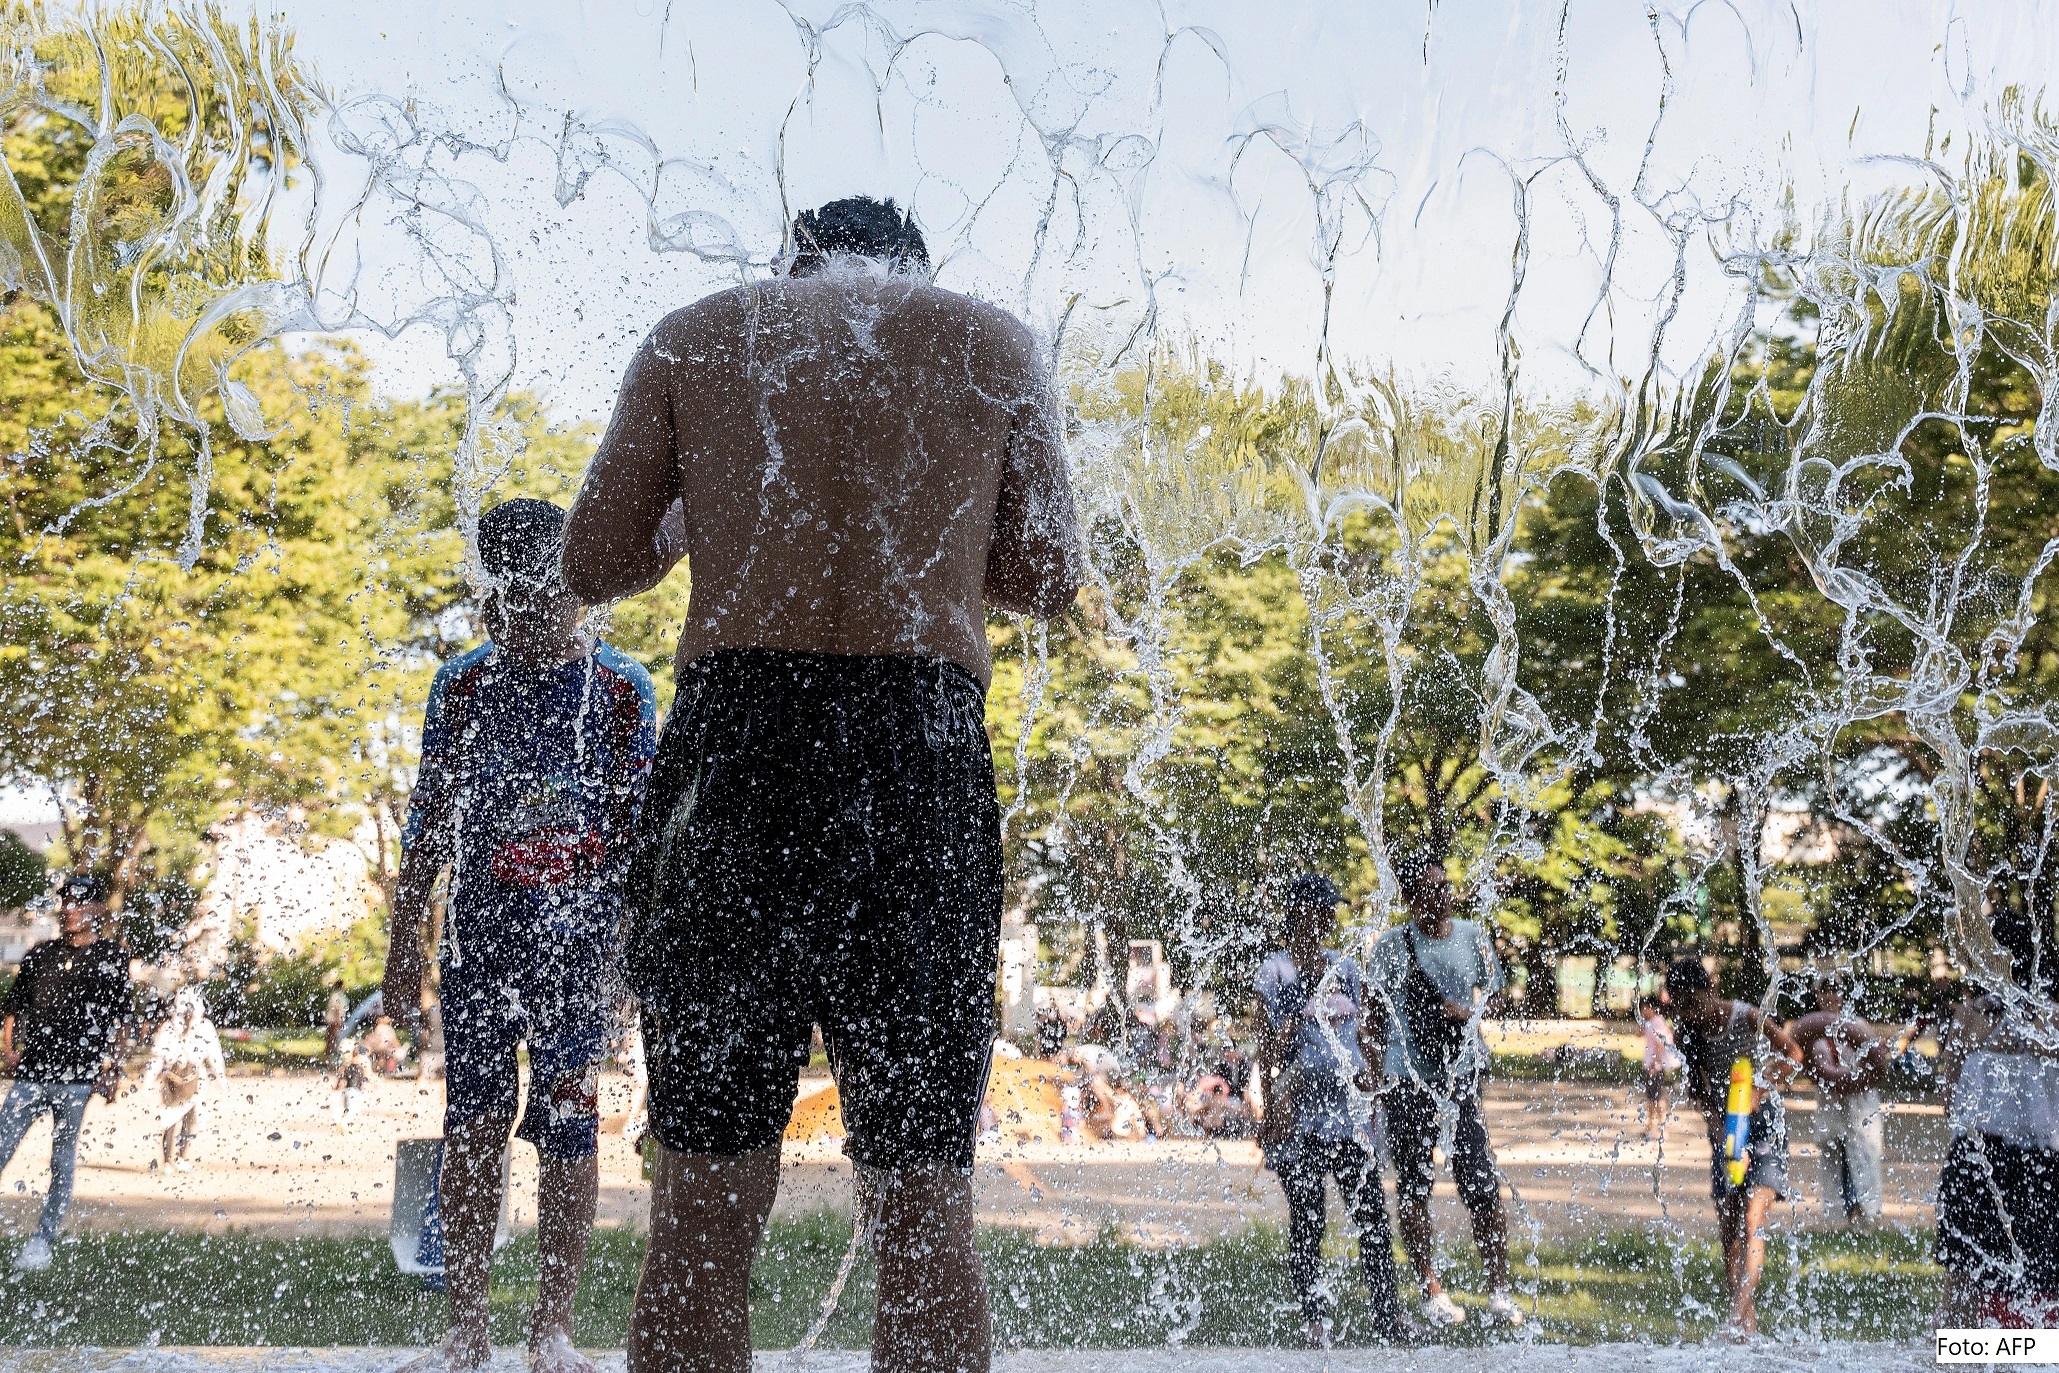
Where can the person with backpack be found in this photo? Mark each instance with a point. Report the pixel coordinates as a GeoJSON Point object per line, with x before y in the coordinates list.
{"type": "Point", "coordinates": [1313, 1062]}
{"type": "Point", "coordinates": [1439, 976]}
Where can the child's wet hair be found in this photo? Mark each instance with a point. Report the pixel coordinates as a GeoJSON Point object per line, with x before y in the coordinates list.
{"type": "Point", "coordinates": [521, 539]}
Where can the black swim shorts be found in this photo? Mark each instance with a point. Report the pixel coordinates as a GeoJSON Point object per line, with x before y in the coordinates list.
{"type": "Point", "coordinates": [1998, 1215]}
{"type": "Point", "coordinates": [820, 845]}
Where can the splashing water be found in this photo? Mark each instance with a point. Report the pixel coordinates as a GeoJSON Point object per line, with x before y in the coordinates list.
{"type": "Point", "coordinates": [1606, 449]}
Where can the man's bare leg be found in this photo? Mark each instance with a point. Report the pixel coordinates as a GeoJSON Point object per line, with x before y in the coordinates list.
{"type": "Point", "coordinates": [1419, 1240]}
{"type": "Point", "coordinates": [693, 1302]}
{"type": "Point", "coordinates": [567, 1192]}
{"type": "Point", "coordinates": [1491, 1237]}
{"type": "Point", "coordinates": [932, 1313]}
{"type": "Point", "coordinates": [468, 1191]}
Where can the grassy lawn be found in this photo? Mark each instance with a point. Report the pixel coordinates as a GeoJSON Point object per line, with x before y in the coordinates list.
{"type": "Point", "coordinates": [232, 1289]}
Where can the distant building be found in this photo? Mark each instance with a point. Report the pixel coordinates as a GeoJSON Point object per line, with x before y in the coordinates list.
{"type": "Point", "coordinates": [21, 931]}
{"type": "Point", "coordinates": [289, 889]}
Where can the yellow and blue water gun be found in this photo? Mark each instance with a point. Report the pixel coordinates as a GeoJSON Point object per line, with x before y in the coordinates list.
{"type": "Point", "coordinates": [1737, 1122]}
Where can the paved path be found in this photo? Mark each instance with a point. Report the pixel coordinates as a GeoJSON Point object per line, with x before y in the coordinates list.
{"type": "Point", "coordinates": [278, 1159]}
{"type": "Point", "coordinates": [1761, 1358]}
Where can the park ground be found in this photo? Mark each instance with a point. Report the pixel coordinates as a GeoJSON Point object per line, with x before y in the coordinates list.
{"type": "Point", "coordinates": [1906, 1357]}
{"type": "Point", "coordinates": [276, 1235]}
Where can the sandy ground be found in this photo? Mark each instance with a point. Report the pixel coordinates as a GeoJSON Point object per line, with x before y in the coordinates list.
{"type": "Point", "coordinates": [277, 1158]}
{"type": "Point", "coordinates": [1765, 1357]}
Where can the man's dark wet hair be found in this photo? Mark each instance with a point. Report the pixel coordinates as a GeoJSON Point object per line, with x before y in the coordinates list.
{"type": "Point", "coordinates": [1412, 868]}
{"type": "Point", "coordinates": [860, 225]}
{"type": "Point", "coordinates": [1649, 1003]}
{"type": "Point", "coordinates": [1685, 977]}
{"type": "Point", "coordinates": [520, 540]}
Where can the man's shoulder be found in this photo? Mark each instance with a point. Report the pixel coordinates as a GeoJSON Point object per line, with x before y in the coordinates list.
{"type": "Point", "coordinates": [39, 954]}
{"type": "Point", "coordinates": [110, 956]}
{"type": "Point", "coordinates": [1275, 967]}
{"type": "Point", "coordinates": [714, 316]}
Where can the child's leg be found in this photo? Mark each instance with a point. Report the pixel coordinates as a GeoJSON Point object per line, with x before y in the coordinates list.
{"type": "Point", "coordinates": [1751, 1259]}
{"type": "Point", "coordinates": [470, 1187]}
{"type": "Point", "coordinates": [481, 1098]}
{"type": "Point", "coordinates": [568, 1035]}
{"type": "Point", "coordinates": [567, 1192]}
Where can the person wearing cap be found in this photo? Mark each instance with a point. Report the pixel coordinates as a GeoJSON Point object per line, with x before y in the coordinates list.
{"type": "Point", "coordinates": [61, 1027]}
{"type": "Point", "coordinates": [1438, 976]}
{"type": "Point", "coordinates": [1314, 1067]}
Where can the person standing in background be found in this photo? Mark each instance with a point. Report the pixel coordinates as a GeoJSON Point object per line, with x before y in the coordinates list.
{"type": "Point", "coordinates": [1998, 1196]}
{"type": "Point", "coordinates": [62, 1027]}
{"type": "Point", "coordinates": [1848, 1058]}
{"type": "Point", "coordinates": [1438, 975]}
{"type": "Point", "coordinates": [1661, 1061]}
{"type": "Point", "coordinates": [334, 1012]}
{"type": "Point", "coordinates": [185, 1057]}
{"type": "Point", "coordinates": [1318, 1122]}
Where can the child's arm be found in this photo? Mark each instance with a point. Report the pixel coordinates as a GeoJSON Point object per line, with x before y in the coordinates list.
{"type": "Point", "coordinates": [401, 986]}
{"type": "Point", "coordinates": [424, 847]}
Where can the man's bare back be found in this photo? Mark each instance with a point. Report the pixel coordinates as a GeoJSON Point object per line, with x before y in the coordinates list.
{"type": "Point", "coordinates": [863, 462]}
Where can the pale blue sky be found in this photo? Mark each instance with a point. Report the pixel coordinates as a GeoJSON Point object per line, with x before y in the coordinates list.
{"type": "Point", "coordinates": [1418, 142]}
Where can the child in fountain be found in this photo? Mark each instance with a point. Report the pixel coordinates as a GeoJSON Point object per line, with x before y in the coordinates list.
{"type": "Point", "coordinates": [534, 753]}
{"type": "Point", "coordinates": [1661, 1061]}
{"type": "Point", "coordinates": [1714, 1034]}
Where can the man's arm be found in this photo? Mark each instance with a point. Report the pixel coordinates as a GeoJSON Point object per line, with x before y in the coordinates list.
{"type": "Point", "coordinates": [1033, 562]}
{"type": "Point", "coordinates": [15, 1002]}
{"type": "Point", "coordinates": [1784, 1044]}
{"type": "Point", "coordinates": [1372, 1030]}
{"type": "Point", "coordinates": [627, 529]}
{"type": "Point", "coordinates": [120, 995]}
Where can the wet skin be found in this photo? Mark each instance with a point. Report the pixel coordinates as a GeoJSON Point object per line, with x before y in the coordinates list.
{"type": "Point", "coordinates": [855, 461]}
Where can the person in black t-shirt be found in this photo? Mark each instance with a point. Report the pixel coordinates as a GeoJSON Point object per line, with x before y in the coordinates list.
{"type": "Point", "coordinates": [61, 1025]}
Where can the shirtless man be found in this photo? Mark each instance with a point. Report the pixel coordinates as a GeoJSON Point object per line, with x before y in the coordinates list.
{"type": "Point", "coordinates": [1849, 1058]}
{"type": "Point", "coordinates": [855, 464]}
